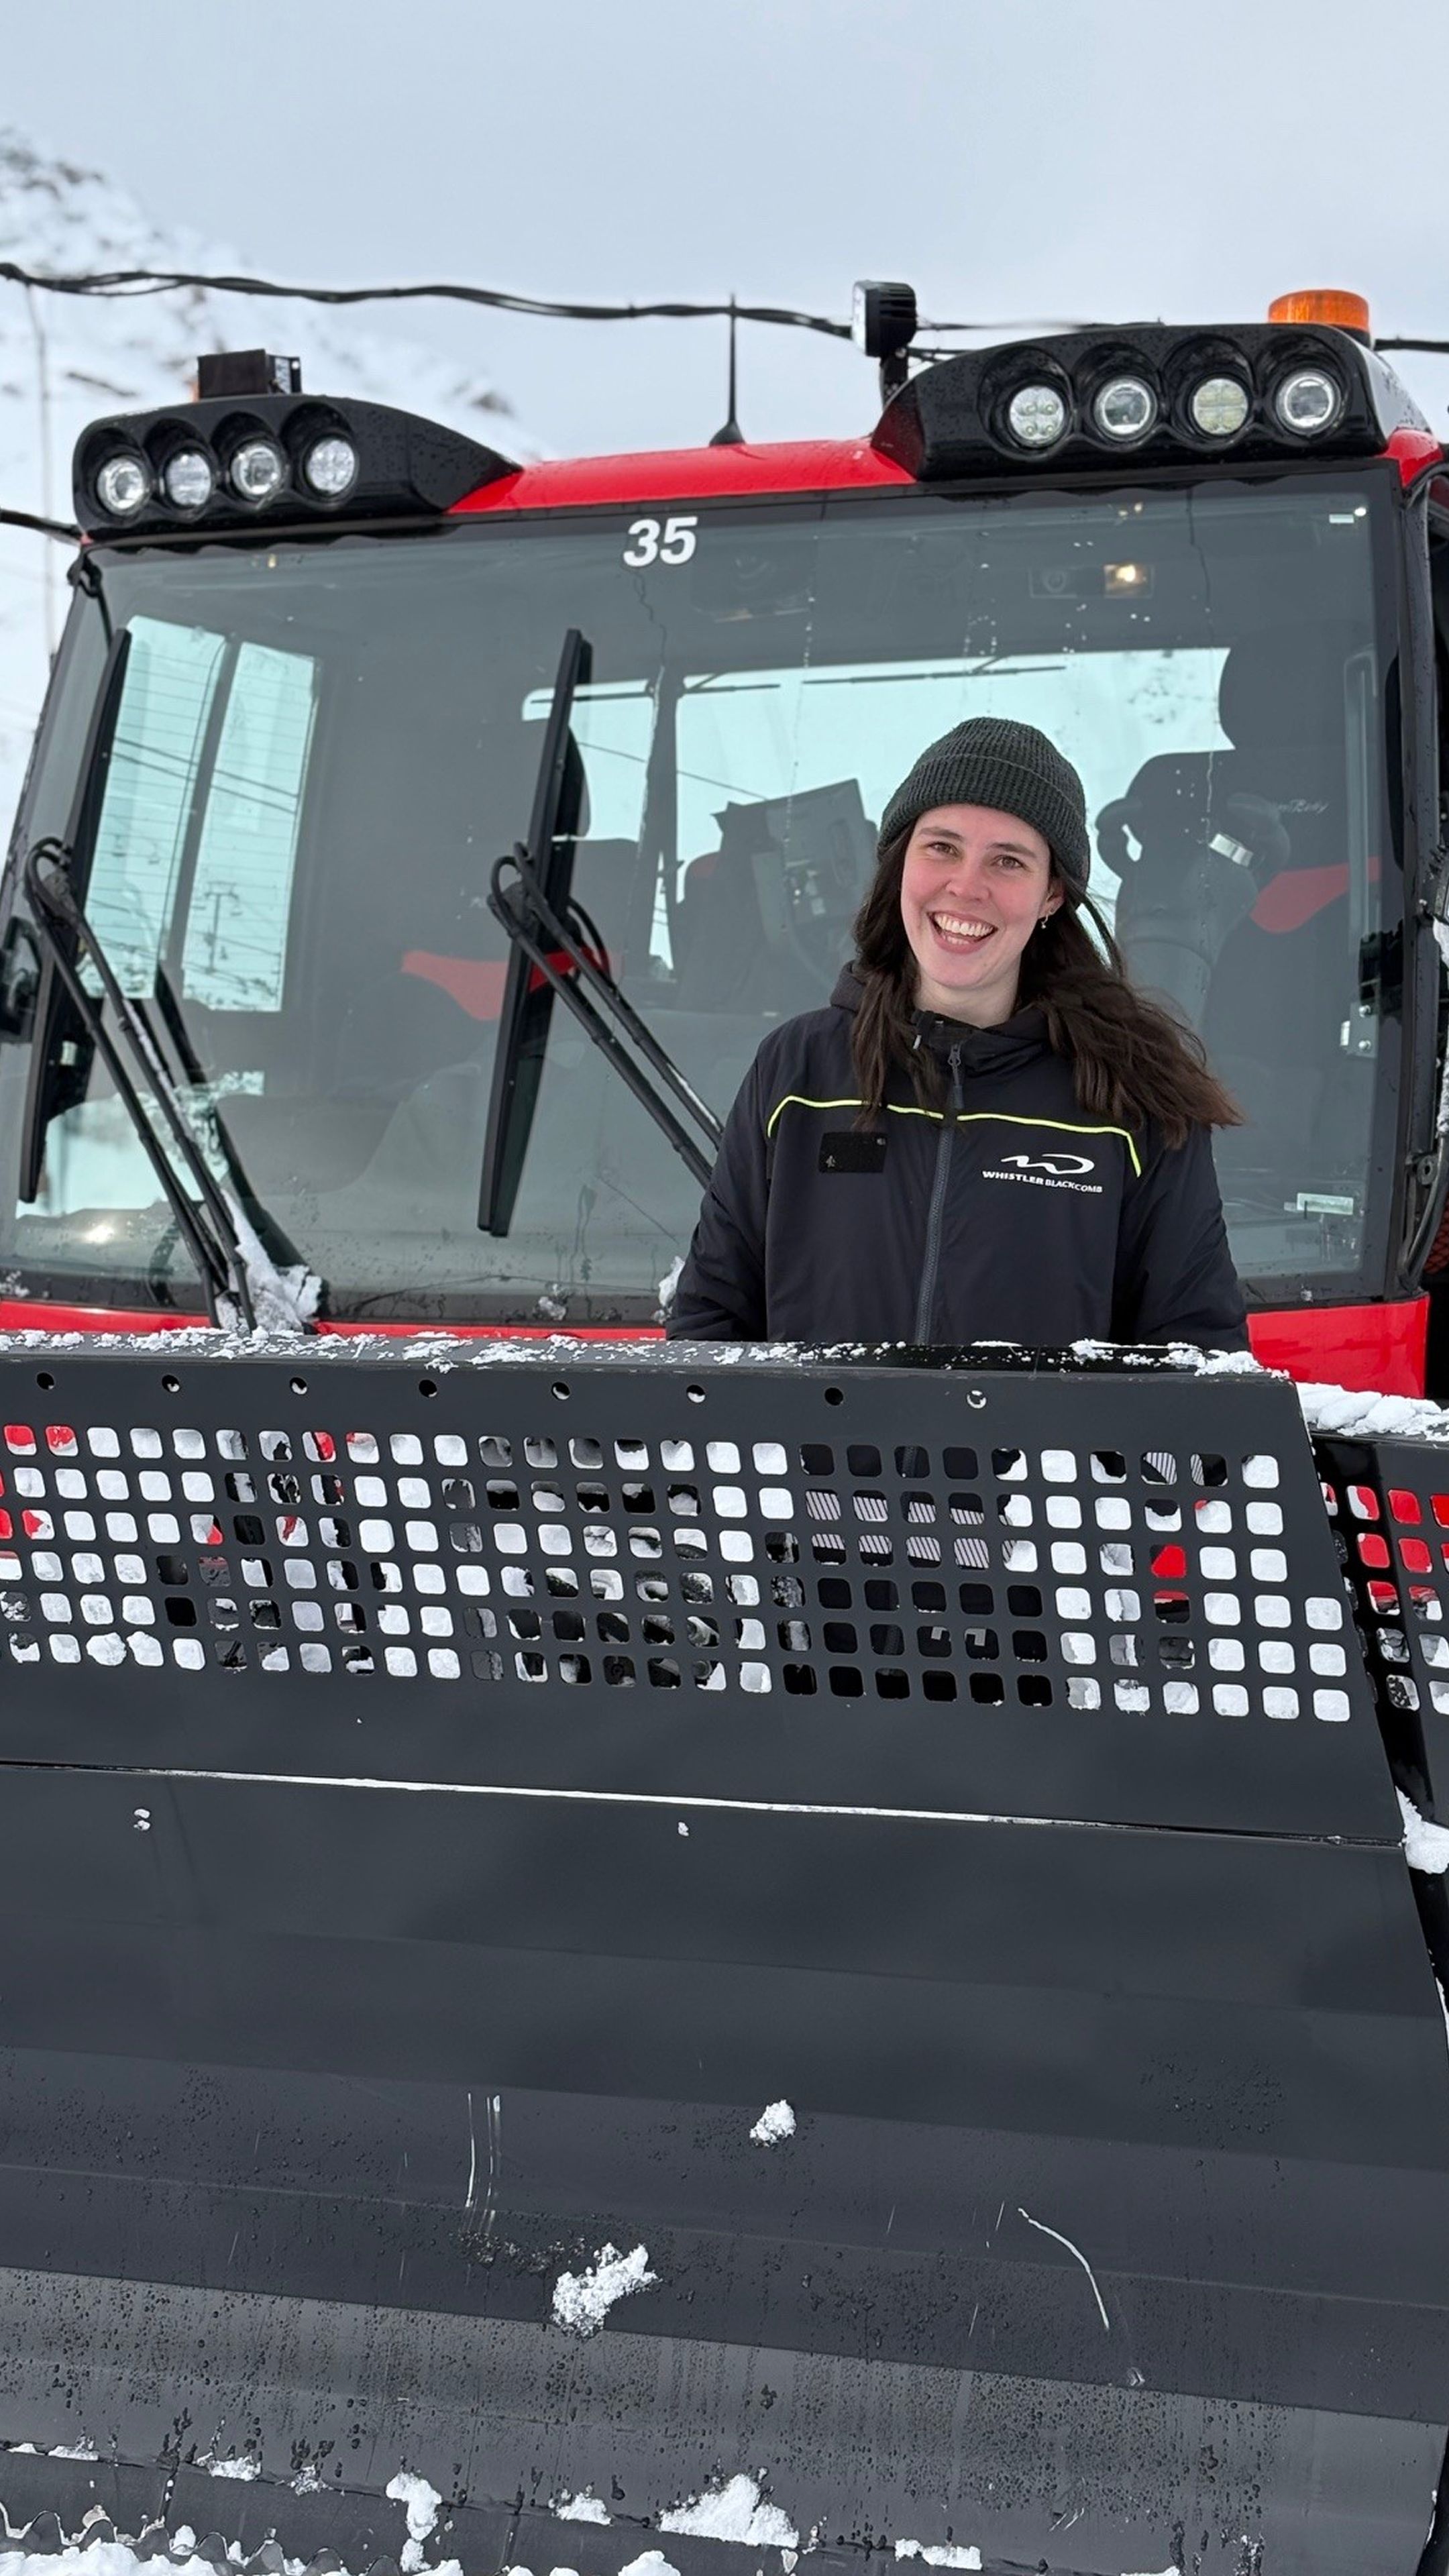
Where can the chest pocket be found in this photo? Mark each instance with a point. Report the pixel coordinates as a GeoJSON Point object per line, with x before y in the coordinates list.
{"type": "Point", "coordinates": [853, 1149]}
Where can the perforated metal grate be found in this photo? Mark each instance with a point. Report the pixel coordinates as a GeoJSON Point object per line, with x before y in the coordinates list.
{"type": "Point", "coordinates": [950, 1571]}
{"type": "Point", "coordinates": [880, 1557]}
{"type": "Point", "coordinates": [1388, 1503]}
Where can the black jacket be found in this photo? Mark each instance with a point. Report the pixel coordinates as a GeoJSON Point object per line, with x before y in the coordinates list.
{"type": "Point", "coordinates": [1014, 1217]}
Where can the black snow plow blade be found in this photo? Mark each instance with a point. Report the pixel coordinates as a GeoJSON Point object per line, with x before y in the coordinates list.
{"type": "Point", "coordinates": [715, 1960]}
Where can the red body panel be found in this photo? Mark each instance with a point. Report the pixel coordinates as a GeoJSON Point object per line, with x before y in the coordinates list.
{"type": "Point", "coordinates": [687, 474]}
{"type": "Point", "coordinates": [1414, 451]}
{"type": "Point", "coordinates": [38, 1315]}
{"type": "Point", "coordinates": [1368, 1348]}
{"type": "Point", "coordinates": [1373, 1349]}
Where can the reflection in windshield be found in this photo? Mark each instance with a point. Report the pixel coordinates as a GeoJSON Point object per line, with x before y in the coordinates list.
{"type": "Point", "coordinates": [322, 751]}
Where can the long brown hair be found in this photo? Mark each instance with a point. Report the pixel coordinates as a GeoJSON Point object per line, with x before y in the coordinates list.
{"type": "Point", "coordinates": [1130, 1059]}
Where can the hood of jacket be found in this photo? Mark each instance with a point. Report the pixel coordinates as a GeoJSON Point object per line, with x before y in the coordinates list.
{"type": "Point", "coordinates": [998, 1050]}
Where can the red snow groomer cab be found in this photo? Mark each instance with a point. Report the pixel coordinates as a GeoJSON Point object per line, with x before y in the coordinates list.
{"type": "Point", "coordinates": [284, 1035]}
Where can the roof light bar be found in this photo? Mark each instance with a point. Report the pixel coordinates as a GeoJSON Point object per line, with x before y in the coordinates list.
{"type": "Point", "coordinates": [1163, 396]}
{"type": "Point", "coordinates": [230, 465]}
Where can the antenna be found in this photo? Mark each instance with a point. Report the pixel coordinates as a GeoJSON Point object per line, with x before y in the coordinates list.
{"type": "Point", "coordinates": [731, 435]}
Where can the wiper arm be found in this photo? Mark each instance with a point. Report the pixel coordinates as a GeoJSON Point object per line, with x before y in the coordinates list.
{"type": "Point", "coordinates": [555, 948]}
{"type": "Point", "coordinates": [571, 961]}
{"type": "Point", "coordinates": [221, 1241]}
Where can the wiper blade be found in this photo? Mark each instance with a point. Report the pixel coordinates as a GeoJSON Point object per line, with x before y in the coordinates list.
{"type": "Point", "coordinates": [235, 1270]}
{"type": "Point", "coordinates": [523, 1023]}
{"type": "Point", "coordinates": [56, 1031]}
{"type": "Point", "coordinates": [556, 949]}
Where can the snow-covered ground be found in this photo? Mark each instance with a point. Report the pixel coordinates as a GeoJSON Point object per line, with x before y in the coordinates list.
{"type": "Point", "coordinates": [68, 360]}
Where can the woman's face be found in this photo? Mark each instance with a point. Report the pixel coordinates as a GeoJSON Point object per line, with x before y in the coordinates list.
{"type": "Point", "coordinates": [974, 885]}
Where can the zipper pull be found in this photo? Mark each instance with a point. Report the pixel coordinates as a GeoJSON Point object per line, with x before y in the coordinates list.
{"type": "Point", "coordinates": [953, 1058]}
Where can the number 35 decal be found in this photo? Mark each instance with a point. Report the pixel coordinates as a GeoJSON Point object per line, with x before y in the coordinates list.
{"type": "Point", "coordinates": [671, 541]}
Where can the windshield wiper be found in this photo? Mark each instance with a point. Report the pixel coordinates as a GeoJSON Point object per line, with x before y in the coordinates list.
{"type": "Point", "coordinates": [556, 948]}
{"type": "Point", "coordinates": [241, 1283]}
{"type": "Point", "coordinates": [53, 1082]}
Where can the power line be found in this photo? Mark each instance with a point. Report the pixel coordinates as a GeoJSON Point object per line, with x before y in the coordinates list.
{"type": "Point", "coordinates": [61, 528]}
{"type": "Point", "coordinates": [162, 281]}
{"type": "Point", "coordinates": [153, 281]}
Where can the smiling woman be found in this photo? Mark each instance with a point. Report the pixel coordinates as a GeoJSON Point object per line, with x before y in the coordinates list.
{"type": "Point", "coordinates": [1029, 1157]}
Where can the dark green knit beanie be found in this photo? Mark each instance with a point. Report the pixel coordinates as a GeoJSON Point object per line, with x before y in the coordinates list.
{"type": "Point", "coordinates": [991, 761]}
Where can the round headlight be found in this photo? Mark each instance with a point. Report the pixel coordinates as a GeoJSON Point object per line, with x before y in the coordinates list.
{"type": "Point", "coordinates": [1307, 401]}
{"type": "Point", "coordinates": [330, 467]}
{"type": "Point", "coordinates": [1036, 415]}
{"type": "Point", "coordinates": [1125, 408]}
{"type": "Point", "coordinates": [258, 470]}
{"type": "Point", "coordinates": [189, 480]}
{"type": "Point", "coordinates": [123, 486]}
{"type": "Point", "coordinates": [1219, 406]}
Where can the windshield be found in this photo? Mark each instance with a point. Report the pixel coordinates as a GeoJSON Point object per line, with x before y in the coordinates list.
{"type": "Point", "coordinates": [322, 748]}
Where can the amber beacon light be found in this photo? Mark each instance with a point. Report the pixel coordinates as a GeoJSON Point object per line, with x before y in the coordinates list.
{"type": "Point", "coordinates": [1332, 304]}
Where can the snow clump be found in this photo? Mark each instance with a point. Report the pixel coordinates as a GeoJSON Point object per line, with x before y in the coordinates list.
{"type": "Point", "coordinates": [734, 2512]}
{"type": "Point", "coordinates": [938, 2557]}
{"type": "Point", "coordinates": [582, 2300]}
{"type": "Point", "coordinates": [1426, 1845]}
{"type": "Point", "coordinates": [422, 2502]}
{"type": "Point", "coordinates": [583, 2507]}
{"type": "Point", "coordinates": [1343, 1413]}
{"type": "Point", "coordinates": [775, 2122]}
{"type": "Point", "coordinates": [653, 2563]}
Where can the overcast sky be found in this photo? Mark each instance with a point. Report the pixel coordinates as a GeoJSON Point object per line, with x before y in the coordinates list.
{"type": "Point", "coordinates": [1012, 158]}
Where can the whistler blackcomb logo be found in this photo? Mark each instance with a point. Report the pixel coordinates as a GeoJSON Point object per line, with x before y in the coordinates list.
{"type": "Point", "coordinates": [1057, 1171]}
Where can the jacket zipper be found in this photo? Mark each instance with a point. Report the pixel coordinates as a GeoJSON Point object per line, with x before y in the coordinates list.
{"type": "Point", "coordinates": [932, 1261]}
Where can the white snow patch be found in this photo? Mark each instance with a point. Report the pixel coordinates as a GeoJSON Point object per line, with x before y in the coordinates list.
{"type": "Point", "coordinates": [118, 2558]}
{"type": "Point", "coordinates": [72, 2451]}
{"type": "Point", "coordinates": [243, 2468]}
{"type": "Point", "coordinates": [1426, 1845]}
{"type": "Point", "coordinates": [1347, 1414]}
{"type": "Point", "coordinates": [583, 2507]}
{"type": "Point", "coordinates": [422, 2502]}
{"type": "Point", "coordinates": [938, 2557]}
{"type": "Point", "coordinates": [775, 2122]}
{"type": "Point", "coordinates": [1168, 2571]}
{"type": "Point", "coordinates": [668, 1284]}
{"type": "Point", "coordinates": [653, 2563]}
{"type": "Point", "coordinates": [582, 2300]}
{"type": "Point", "coordinates": [283, 1301]}
{"type": "Point", "coordinates": [735, 2512]}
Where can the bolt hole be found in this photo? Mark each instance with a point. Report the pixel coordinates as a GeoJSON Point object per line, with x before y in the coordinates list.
{"type": "Point", "coordinates": [172, 1385]}
{"type": "Point", "coordinates": [695, 1394]}
{"type": "Point", "coordinates": [45, 1379]}
{"type": "Point", "coordinates": [834, 1395]}
{"type": "Point", "coordinates": [299, 1386]}
{"type": "Point", "coordinates": [561, 1389]}
{"type": "Point", "coordinates": [975, 1398]}
{"type": "Point", "coordinates": [427, 1386]}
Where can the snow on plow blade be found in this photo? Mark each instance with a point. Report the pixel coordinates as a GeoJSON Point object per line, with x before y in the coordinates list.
{"type": "Point", "coordinates": [448, 1805]}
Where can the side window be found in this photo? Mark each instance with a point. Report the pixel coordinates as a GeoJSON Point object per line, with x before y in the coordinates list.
{"type": "Point", "coordinates": [150, 791]}
{"type": "Point", "coordinates": [198, 836]}
{"type": "Point", "coordinates": [235, 949]}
